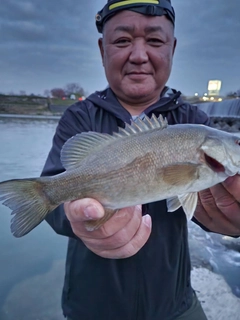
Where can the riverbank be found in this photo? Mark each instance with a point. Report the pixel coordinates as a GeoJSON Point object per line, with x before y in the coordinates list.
{"type": "Point", "coordinates": [215, 295]}
{"type": "Point", "coordinates": [33, 105]}
{"type": "Point", "coordinates": [31, 116]}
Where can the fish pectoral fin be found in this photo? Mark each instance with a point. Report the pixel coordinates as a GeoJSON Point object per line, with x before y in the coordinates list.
{"type": "Point", "coordinates": [180, 173]}
{"type": "Point", "coordinates": [188, 202]}
{"type": "Point", "coordinates": [92, 225]}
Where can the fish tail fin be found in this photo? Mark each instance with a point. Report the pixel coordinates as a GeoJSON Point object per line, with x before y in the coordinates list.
{"type": "Point", "coordinates": [28, 202]}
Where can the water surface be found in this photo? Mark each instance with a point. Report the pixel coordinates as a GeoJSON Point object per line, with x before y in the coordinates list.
{"type": "Point", "coordinates": [28, 264]}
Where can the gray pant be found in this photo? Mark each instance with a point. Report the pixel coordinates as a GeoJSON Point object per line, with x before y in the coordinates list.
{"type": "Point", "coordinates": [195, 312]}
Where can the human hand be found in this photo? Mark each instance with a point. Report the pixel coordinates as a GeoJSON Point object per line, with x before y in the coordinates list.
{"type": "Point", "coordinates": [122, 236]}
{"type": "Point", "coordinates": [218, 208]}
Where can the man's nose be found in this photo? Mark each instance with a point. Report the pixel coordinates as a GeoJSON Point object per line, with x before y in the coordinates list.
{"type": "Point", "coordinates": [138, 53]}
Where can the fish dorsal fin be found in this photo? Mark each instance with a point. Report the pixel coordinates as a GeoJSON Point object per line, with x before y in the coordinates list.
{"type": "Point", "coordinates": [142, 125]}
{"type": "Point", "coordinates": [83, 144]}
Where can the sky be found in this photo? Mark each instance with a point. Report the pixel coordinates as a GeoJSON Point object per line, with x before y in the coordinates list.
{"type": "Point", "coordinates": [48, 44]}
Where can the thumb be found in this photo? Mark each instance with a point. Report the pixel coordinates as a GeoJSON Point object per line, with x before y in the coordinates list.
{"type": "Point", "coordinates": [83, 210]}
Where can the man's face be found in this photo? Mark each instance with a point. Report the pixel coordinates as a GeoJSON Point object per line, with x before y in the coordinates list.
{"type": "Point", "coordinates": [137, 52]}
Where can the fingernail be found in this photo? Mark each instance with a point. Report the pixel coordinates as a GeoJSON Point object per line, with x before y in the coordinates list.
{"type": "Point", "coordinates": [91, 212]}
{"type": "Point", "coordinates": [147, 220]}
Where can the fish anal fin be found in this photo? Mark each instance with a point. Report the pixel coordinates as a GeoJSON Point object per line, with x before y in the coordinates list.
{"type": "Point", "coordinates": [92, 225]}
{"type": "Point", "coordinates": [173, 204]}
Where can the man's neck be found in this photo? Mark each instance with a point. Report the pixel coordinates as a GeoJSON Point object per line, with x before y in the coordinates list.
{"type": "Point", "coordinates": [137, 109]}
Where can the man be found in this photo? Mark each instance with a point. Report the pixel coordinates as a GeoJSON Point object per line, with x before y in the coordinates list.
{"type": "Point", "coordinates": [136, 266]}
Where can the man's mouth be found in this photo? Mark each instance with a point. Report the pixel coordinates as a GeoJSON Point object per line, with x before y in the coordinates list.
{"type": "Point", "coordinates": [138, 75]}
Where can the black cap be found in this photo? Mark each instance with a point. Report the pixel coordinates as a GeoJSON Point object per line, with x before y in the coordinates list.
{"type": "Point", "coordinates": [147, 7]}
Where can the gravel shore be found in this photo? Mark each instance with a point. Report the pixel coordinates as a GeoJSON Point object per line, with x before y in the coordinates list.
{"type": "Point", "coordinates": [215, 295]}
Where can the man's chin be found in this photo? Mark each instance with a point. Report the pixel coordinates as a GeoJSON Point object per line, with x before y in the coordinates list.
{"type": "Point", "coordinates": [138, 92]}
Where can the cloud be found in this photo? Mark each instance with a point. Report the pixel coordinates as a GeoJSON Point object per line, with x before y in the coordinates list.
{"type": "Point", "coordinates": [45, 44]}
{"type": "Point", "coordinates": [208, 45]}
{"type": "Point", "coordinates": [51, 40]}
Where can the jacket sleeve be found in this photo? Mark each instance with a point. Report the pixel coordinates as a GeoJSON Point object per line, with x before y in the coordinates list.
{"type": "Point", "coordinates": [74, 120]}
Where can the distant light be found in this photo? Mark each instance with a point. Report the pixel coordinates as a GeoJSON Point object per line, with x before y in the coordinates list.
{"type": "Point", "coordinates": [196, 94]}
{"type": "Point", "coordinates": [219, 99]}
{"type": "Point", "coordinates": [205, 94]}
{"type": "Point", "coordinates": [205, 98]}
{"type": "Point", "coordinates": [211, 98]}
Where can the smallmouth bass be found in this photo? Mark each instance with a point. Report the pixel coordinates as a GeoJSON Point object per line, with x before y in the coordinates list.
{"type": "Point", "coordinates": [147, 161]}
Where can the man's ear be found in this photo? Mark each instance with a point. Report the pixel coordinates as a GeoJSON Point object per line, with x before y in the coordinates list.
{"type": "Point", "coordinates": [100, 45]}
{"type": "Point", "coordinates": [174, 45]}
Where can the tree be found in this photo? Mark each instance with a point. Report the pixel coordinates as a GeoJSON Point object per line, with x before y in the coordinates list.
{"type": "Point", "coordinates": [233, 94]}
{"type": "Point", "coordinates": [58, 93]}
{"type": "Point", "coordinates": [74, 88]}
{"type": "Point", "coordinates": [47, 93]}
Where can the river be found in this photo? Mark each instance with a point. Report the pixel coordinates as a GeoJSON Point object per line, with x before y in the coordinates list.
{"type": "Point", "coordinates": [32, 267]}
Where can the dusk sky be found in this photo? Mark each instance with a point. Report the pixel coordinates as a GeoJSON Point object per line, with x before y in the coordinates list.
{"type": "Point", "coordinates": [47, 44]}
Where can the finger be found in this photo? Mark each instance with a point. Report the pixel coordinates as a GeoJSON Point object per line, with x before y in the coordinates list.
{"type": "Point", "coordinates": [120, 220]}
{"type": "Point", "coordinates": [206, 202]}
{"type": "Point", "coordinates": [134, 245]}
{"type": "Point", "coordinates": [206, 210]}
{"type": "Point", "coordinates": [208, 214]}
{"type": "Point", "coordinates": [226, 203]}
{"type": "Point", "coordinates": [232, 185]}
{"type": "Point", "coordinates": [118, 239]}
{"type": "Point", "coordinates": [201, 214]}
{"type": "Point", "coordinates": [83, 210]}
{"type": "Point", "coordinates": [117, 222]}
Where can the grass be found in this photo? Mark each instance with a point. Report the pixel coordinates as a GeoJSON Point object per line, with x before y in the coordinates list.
{"type": "Point", "coordinates": [60, 102]}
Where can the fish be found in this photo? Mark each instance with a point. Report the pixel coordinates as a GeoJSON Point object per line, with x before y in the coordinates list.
{"type": "Point", "coordinates": [144, 162]}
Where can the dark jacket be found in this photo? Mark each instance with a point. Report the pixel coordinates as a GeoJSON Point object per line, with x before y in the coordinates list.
{"type": "Point", "coordinates": [154, 284]}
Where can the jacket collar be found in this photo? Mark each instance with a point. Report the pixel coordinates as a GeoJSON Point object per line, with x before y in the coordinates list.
{"type": "Point", "coordinates": [106, 99]}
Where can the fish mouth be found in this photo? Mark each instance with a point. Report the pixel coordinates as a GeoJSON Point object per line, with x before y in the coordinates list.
{"type": "Point", "coordinates": [214, 164]}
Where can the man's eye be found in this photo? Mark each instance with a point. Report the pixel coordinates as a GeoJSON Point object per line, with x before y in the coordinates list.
{"type": "Point", "coordinates": [122, 41]}
{"type": "Point", "coordinates": [155, 41]}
